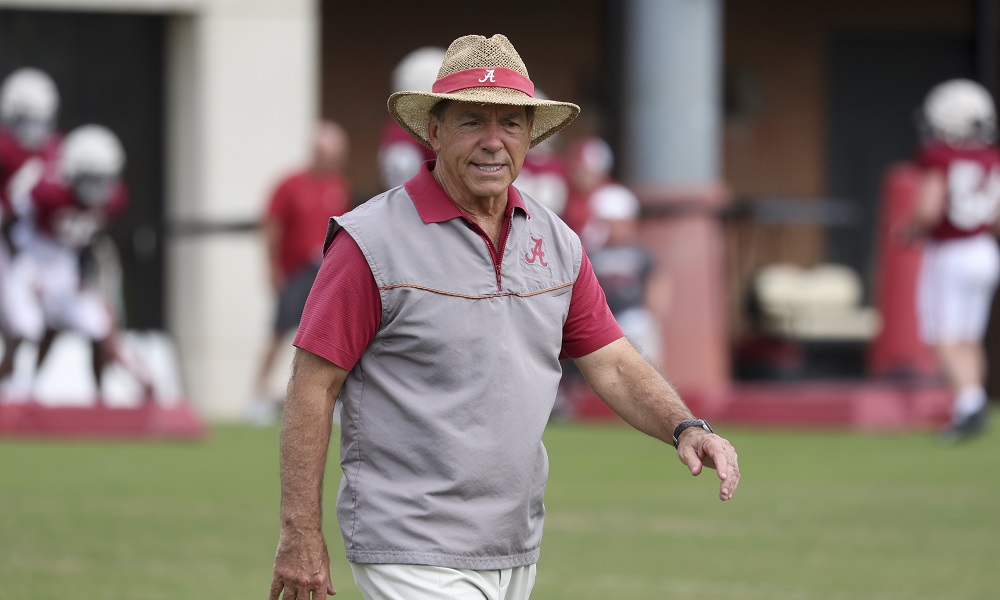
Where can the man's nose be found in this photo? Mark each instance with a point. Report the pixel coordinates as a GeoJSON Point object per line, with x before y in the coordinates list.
{"type": "Point", "coordinates": [491, 137]}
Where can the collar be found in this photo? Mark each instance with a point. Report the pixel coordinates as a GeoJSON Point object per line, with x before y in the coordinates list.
{"type": "Point", "coordinates": [434, 206]}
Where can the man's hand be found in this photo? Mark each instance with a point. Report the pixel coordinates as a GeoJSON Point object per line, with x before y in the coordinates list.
{"type": "Point", "coordinates": [301, 567]}
{"type": "Point", "coordinates": [302, 563]}
{"type": "Point", "coordinates": [277, 279]}
{"type": "Point", "coordinates": [697, 448]}
{"type": "Point", "coordinates": [906, 233]}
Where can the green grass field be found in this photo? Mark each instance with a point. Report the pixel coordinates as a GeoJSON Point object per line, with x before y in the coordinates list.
{"type": "Point", "coordinates": [820, 515]}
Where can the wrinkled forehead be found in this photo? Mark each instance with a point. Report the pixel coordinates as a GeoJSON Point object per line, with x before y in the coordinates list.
{"type": "Point", "coordinates": [474, 109]}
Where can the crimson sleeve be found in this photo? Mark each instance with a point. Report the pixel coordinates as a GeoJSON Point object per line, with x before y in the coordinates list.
{"type": "Point", "coordinates": [590, 325]}
{"type": "Point", "coordinates": [277, 203]}
{"type": "Point", "coordinates": [344, 308]}
{"type": "Point", "coordinates": [46, 196]}
{"type": "Point", "coordinates": [932, 156]}
{"type": "Point", "coordinates": [119, 201]}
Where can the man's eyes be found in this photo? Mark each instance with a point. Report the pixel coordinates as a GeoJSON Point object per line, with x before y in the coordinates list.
{"type": "Point", "coordinates": [510, 123]}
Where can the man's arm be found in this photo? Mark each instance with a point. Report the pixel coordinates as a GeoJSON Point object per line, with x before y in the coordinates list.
{"type": "Point", "coordinates": [637, 393]}
{"type": "Point", "coordinates": [929, 205]}
{"type": "Point", "coordinates": [302, 563]}
{"type": "Point", "coordinates": [271, 229]}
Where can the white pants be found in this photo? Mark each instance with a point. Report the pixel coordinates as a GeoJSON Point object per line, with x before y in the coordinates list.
{"type": "Point", "coordinates": [20, 312]}
{"type": "Point", "coordinates": [48, 293]}
{"type": "Point", "coordinates": [955, 291]}
{"type": "Point", "coordinates": [423, 582]}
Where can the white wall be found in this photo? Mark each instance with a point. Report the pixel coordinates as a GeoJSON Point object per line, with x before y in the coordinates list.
{"type": "Point", "coordinates": [242, 86]}
{"type": "Point", "coordinates": [243, 97]}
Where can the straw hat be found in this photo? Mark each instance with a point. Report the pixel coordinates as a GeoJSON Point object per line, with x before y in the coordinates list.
{"type": "Point", "coordinates": [483, 71]}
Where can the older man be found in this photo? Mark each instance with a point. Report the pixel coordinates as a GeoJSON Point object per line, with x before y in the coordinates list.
{"type": "Point", "coordinates": [439, 317]}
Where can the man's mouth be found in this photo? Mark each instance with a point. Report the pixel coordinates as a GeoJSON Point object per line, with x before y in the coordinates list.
{"type": "Point", "coordinates": [489, 168]}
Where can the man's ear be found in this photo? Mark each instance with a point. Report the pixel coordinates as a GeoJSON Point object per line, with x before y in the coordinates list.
{"type": "Point", "coordinates": [432, 133]}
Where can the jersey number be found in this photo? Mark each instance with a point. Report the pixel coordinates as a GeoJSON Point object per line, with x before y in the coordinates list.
{"type": "Point", "coordinates": [76, 228]}
{"type": "Point", "coordinates": [974, 194]}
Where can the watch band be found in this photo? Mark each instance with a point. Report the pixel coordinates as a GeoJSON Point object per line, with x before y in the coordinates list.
{"type": "Point", "coordinates": [702, 423]}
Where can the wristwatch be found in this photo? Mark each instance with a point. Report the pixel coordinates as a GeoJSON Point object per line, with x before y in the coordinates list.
{"type": "Point", "coordinates": [691, 423]}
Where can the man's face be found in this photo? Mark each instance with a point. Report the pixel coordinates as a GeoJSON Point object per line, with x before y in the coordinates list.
{"type": "Point", "coordinates": [94, 189]}
{"type": "Point", "coordinates": [30, 132]}
{"type": "Point", "coordinates": [480, 148]}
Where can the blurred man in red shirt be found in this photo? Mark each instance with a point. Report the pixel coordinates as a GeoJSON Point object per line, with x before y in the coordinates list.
{"type": "Point", "coordinates": [294, 226]}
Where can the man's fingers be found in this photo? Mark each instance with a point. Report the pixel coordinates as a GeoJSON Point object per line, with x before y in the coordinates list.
{"type": "Point", "coordinates": [720, 460]}
{"type": "Point", "coordinates": [724, 456]}
{"type": "Point", "coordinates": [733, 481]}
{"type": "Point", "coordinates": [717, 453]}
{"type": "Point", "coordinates": [300, 591]}
{"type": "Point", "coordinates": [689, 457]}
{"type": "Point", "coordinates": [728, 486]}
{"type": "Point", "coordinates": [276, 587]}
{"type": "Point", "coordinates": [304, 594]}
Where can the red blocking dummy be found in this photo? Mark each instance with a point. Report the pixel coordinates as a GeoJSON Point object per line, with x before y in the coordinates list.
{"type": "Point", "coordinates": [898, 349]}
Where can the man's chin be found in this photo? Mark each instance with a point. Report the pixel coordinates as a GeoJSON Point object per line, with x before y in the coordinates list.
{"type": "Point", "coordinates": [489, 186]}
{"type": "Point", "coordinates": [492, 191]}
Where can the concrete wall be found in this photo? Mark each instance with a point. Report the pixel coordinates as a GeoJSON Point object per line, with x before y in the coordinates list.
{"type": "Point", "coordinates": [242, 103]}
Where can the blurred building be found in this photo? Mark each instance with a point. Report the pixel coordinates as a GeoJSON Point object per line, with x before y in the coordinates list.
{"type": "Point", "coordinates": [754, 131]}
{"type": "Point", "coordinates": [212, 99]}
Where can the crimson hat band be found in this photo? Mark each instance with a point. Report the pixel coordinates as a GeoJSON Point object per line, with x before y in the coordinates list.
{"type": "Point", "coordinates": [496, 77]}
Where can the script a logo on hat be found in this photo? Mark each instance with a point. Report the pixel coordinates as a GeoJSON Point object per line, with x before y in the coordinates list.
{"type": "Point", "coordinates": [536, 253]}
{"type": "Point", "coordinates": [488, 76]}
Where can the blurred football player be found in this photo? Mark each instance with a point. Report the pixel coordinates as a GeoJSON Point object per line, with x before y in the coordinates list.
{"type": "Point", "coordinates": [399, 155]}
{"type": "Point", "coordinates": [623, 267]}
{"type": "Point", "coordinates": [29, 146]}
{"type": "Point", "coordinates": [605, 213]}
{"type": "Point", "coordinates": [543, 175]}
{"type": "Point", "coordinates": [69, 211]}
{"type": "Point", "coordinates": [589, 162]}
{"type": "Point", "coordinates": [956, 214]}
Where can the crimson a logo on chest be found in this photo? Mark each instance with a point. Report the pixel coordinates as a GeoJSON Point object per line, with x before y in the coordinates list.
{"type": "Point", "coordinates": [535, 249]}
